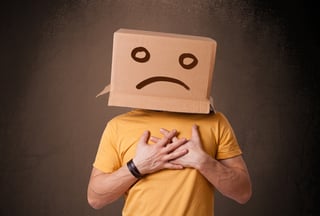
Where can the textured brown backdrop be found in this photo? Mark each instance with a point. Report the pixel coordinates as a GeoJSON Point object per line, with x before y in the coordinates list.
{"type": "Point", "coordinates": [56, 56]}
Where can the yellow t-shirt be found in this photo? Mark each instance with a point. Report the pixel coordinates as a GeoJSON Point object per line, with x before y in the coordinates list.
{"type": "Point", "coordinates": [168, 192]}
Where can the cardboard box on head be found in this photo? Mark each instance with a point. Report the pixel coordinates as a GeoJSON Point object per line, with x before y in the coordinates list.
{"type": "Point", "coordinates": [161, 71]}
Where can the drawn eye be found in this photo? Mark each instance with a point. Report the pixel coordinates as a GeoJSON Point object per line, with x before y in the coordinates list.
{"type": "Point", "coordinates": [188, 60]}
{"type": "Point", "coordinates": [140, 54]}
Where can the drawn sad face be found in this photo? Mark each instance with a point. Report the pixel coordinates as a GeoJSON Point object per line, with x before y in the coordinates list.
{"type": "Point", "coordinates": [187, 61]}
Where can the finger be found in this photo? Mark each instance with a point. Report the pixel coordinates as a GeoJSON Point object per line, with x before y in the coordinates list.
{"type": "Point", "coordinates": [167, 137]}
{"type": "Point", "coordinates": [176, 144]}
{"type": "Point", "coordinates": [165, 132]}
{"type": "Point", "coordinates": [173, 166]}
{"type": "Point", "coordinates": [176, 154]}
{"type": "Point", "coordinates": [195, 132]}
{"type": "Point", "coordinates": [154, 139]}
{"type": "Point", "coordinates": [145, 137]}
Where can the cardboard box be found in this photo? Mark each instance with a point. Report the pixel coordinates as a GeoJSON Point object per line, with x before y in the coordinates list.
{"type": "Point", "coordinates": [161, 71]}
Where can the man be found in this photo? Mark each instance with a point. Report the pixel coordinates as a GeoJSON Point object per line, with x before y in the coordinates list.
{"type": "Point", "coordinates": [184, 152]}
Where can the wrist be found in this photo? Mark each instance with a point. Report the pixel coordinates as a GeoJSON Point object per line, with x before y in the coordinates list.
{"type": "Point", "coordinates": [133, 169]}
{"type": "Point", "coordinates": [203, 162]}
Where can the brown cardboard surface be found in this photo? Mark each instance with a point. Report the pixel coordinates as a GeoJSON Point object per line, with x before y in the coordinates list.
{"type": "Point", "coordinates": [161, 71]}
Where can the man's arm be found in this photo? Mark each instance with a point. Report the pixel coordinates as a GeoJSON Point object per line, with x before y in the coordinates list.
{"type": "Point", "coordinates": [104, 188]}
{"type": "Point", "coordinates": [229, 176]}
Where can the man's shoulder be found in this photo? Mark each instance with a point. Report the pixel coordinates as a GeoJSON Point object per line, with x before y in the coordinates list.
{"type": "Point", "coordinates": [218, 115]}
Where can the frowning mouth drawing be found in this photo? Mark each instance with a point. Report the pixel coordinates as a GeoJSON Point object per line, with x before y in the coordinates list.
{"type": "Point", "coordinates": [161, 79]}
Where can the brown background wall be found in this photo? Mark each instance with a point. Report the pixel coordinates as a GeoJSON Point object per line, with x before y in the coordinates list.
{"type": "Point", "coordinates": [56, 56]}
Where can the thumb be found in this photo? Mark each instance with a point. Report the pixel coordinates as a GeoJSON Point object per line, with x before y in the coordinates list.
{"type": "Point", "coordinates": [195, 132]}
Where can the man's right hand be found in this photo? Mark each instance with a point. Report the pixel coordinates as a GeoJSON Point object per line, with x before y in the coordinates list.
{"type": "Point", "coordinates": [151, 158]}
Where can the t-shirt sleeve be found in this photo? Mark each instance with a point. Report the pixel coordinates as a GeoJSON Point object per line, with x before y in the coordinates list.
{"type": "Point", "coordinates": [228, 146]}
{"type": "Point", "coordinates": [107, 157]}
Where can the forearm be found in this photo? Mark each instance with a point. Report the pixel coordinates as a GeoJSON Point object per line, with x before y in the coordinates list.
{"type": "Point", "coordinates": [105, 188]}
{"type": "Point", "coordinates": [233, 182]}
